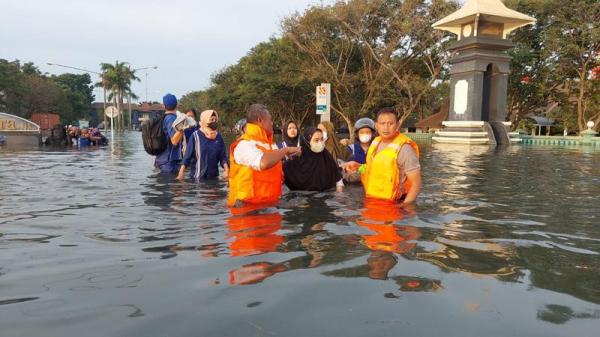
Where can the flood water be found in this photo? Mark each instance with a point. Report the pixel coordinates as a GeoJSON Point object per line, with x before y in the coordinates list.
{"type": "Point", "coordinates": [503, 242]}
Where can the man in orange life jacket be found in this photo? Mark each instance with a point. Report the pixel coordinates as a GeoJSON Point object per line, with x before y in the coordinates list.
{"type": "Point", "coordinates": [256, 173]}
{"type": "Point", "coordinates": [392, 171]}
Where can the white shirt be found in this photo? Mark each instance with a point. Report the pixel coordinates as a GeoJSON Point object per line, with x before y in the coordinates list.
{"type": "Point", "coordinates": [248, 154]}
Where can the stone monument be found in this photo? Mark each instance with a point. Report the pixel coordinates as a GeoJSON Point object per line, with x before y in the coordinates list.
{"type": "Point", "coordinates": [479, 72]}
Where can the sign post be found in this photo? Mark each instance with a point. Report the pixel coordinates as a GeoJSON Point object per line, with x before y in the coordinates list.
{"type": "Point", "coordinates": [111, 112]}
{"type": "Point", "coordinates": [323, 94]}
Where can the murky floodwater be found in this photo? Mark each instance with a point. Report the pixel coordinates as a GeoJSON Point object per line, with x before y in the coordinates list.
{"type": "Point", "coordinates": [503, 243]}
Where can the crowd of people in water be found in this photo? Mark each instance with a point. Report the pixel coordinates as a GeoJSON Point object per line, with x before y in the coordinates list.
{"type": "Point", "coordinates": [72, 135]}
{"type": "Point", "coordinates": [309, 158]}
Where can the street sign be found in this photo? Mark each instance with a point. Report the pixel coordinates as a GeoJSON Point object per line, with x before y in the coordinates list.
{"type": "Point", "coordinates": [111, 111]}
{"type": "Point", "coordinates": [323, 93]}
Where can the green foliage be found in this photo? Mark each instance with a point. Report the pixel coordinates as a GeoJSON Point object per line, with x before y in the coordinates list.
{"type": "Point", "coordinates": [116, 79]}
{"type": "Point", "coordinates": [270, 74]}
{"type": "Point", "coordinates": [25, 90]}
{"type": "Point", "coordinates": [557, 55]}
{"type": "Point", "coordinates": [195, 99]}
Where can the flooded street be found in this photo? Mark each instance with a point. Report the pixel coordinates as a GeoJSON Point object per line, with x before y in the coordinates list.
{"type": "Point", "coordinates": [503, 242]}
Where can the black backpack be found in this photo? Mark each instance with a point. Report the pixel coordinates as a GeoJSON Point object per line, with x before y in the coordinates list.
{"type": "Point", "coordinates": [155, 140]}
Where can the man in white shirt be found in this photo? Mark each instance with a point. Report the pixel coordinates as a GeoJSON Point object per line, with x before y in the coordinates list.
{"type": "Point", "coordinates": [256, 172]}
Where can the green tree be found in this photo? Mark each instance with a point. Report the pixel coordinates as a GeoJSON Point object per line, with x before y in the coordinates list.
{"type": "Point", "coordinates": [270, 73]}
{"type": "Point", "coordinates": [12, 88]}
{"type": "Point", "coordinates": [79, 91]}
{"type": "Point", "coordinates": [375, 53]}
{"type": "Point", "coordinates": [195, 99]}
{"type": "Point", "coordinates": [116, 78]}
{"type": "Point", "coordinates": [553, 62]}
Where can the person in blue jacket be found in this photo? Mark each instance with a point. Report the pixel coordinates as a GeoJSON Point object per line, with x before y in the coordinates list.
{"type": "Point", "coordinates": [364, 129]}
{"type": "Point", "coordinates": [206, 150]}
{"type": "Point", "coordinates": [168, 161]}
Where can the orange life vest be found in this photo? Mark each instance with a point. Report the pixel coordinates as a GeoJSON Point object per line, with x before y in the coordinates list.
{"type": "Point", "coordinates": [381, 179]}
{"type": "Point", "coordinates": [379, 216]}
{"type": "Point", "coordinates": [249, 185]}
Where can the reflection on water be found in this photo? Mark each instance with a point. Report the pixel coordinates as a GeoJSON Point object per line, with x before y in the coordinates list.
{"type": "Point", "coordinates": [504, 242]}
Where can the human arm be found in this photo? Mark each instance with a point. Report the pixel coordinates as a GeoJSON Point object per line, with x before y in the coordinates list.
{"type": "Point", "coordinates": [414, 177]}
{"type": "Point", "coordinates": [270, 159]}
{"type": "Point", "coordinates": [248, 154]}
{"type": "Point", "coordinates": [177, 137]}
{"type": "Point", "coordinates": [175, 134]}
{"type": "Point", "coordinates": [339, 186]}
{"type": "Point", "coordinates": [188, 156]}
{"type": "Point", "coordinates": [408, 162]}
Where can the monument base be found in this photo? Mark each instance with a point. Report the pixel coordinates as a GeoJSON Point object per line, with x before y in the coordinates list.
{"type": "Point", "coordinates": [476, 133]}
{"type": "Point", "coordinates": [466, 132]}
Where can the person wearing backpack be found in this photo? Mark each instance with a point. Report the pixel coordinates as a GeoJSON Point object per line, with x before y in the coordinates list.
{"type": "Point", "coordinates": [169, 159]}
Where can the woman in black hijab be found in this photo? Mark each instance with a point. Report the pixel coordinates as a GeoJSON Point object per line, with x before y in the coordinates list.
{"type": "Point", "coordinates": [315, 169]}
{"type": "Point", "coordinates": [290, 135]}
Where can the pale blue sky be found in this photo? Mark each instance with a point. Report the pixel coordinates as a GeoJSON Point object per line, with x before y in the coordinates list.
{"type": "Point", "coordinates": [187, 40]}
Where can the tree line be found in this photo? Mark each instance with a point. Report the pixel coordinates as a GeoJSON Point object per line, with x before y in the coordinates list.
{"type": "Point", "coordinates": [25, 90]}
{"type": "Point", "coordinates": [384, 53]}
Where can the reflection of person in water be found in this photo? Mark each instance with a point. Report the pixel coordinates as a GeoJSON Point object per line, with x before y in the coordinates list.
{"type": "Point", "coordinates": [378, 216]}
{"type": "Point", "coordinates": [252, 233]}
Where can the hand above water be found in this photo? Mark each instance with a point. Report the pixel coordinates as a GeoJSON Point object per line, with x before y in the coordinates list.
{"type": "Point", "coordinates": [293, 151]}
{"type": "Point", "coordinates": [350, 167]}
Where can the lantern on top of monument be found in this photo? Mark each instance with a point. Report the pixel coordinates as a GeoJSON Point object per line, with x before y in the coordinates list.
{"type": "Point", "coordinates": [479, 72]}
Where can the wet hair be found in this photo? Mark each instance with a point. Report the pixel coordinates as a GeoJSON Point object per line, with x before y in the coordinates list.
{"type": "Point", "coordinates": [387, 111]}
{"type": "Point", "coordinates": [194, 112]}
{"type": "Point", "coordinates": [256, 111]}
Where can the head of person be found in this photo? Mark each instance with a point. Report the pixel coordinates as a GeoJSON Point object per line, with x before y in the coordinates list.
{"type": "Point", "coordinates": [85, 132]}
{"type": "Point", "coordinates": [258, 114]}
{"type": "Point", "coordinates": [170, 102]}
{"type": "Point", "coordinates": [313, 140]}
{"type": "Point", "coordinates": [365, 130]}
{"type": "Point", "coordinates": [327, 129]}
{"type": "Point", "coordinates": [209, 119]}
{"type": "Point", "coordinates": [380, 263]}
{"type": "Point", "coordinates": [291, 129]}
{"type": "Point", "coordinates": [192, 113]}
{"type": "Point", "coordinates": [387, 124]}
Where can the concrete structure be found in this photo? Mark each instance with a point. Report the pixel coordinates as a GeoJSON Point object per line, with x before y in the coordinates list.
{"type": "Point", "coordinates": [479, 73]}
{"type": "Point", "coordinates": [19, 131]}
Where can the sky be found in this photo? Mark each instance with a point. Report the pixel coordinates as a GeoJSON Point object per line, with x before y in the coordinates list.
{"type": "Point", "coordinates": [187, 40]}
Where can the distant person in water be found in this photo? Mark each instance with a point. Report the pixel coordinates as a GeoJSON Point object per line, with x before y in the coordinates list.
{"type": "Point", "coordinates": [256, 174]}
{"type": "Point", "coordinates": [315, 170]}
{"type": "Point", "coordinates": [169, 160]}
{"type": "Point", "coordinates": [289, 135]}
{"type": "Point", "coordinates": [338, 151]}
{"type": "Point", "coordinates": [206, 150]}
{"type": "Point", "coordinates": [392, 171]}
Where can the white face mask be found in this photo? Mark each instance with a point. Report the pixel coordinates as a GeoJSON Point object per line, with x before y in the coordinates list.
{"type": "Point", "coordinates": [364, 138]}
{"type": "Point", "coordinates": [324, 136]}
{"type": "Point", "coordinates": [317, 147]}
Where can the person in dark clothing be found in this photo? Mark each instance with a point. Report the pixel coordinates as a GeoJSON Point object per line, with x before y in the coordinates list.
{"type": "Point", "coordinates": [205, 150]}
{"type": "Point", "coordinates": [168, 161]}
{"type": "Point", "coordinates": [290, 135]}
{"type": "Point", "coordinates": [315, 169]}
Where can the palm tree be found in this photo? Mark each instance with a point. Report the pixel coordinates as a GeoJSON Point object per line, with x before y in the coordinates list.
{"type": "Point", "coordinates": [117, 79]}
